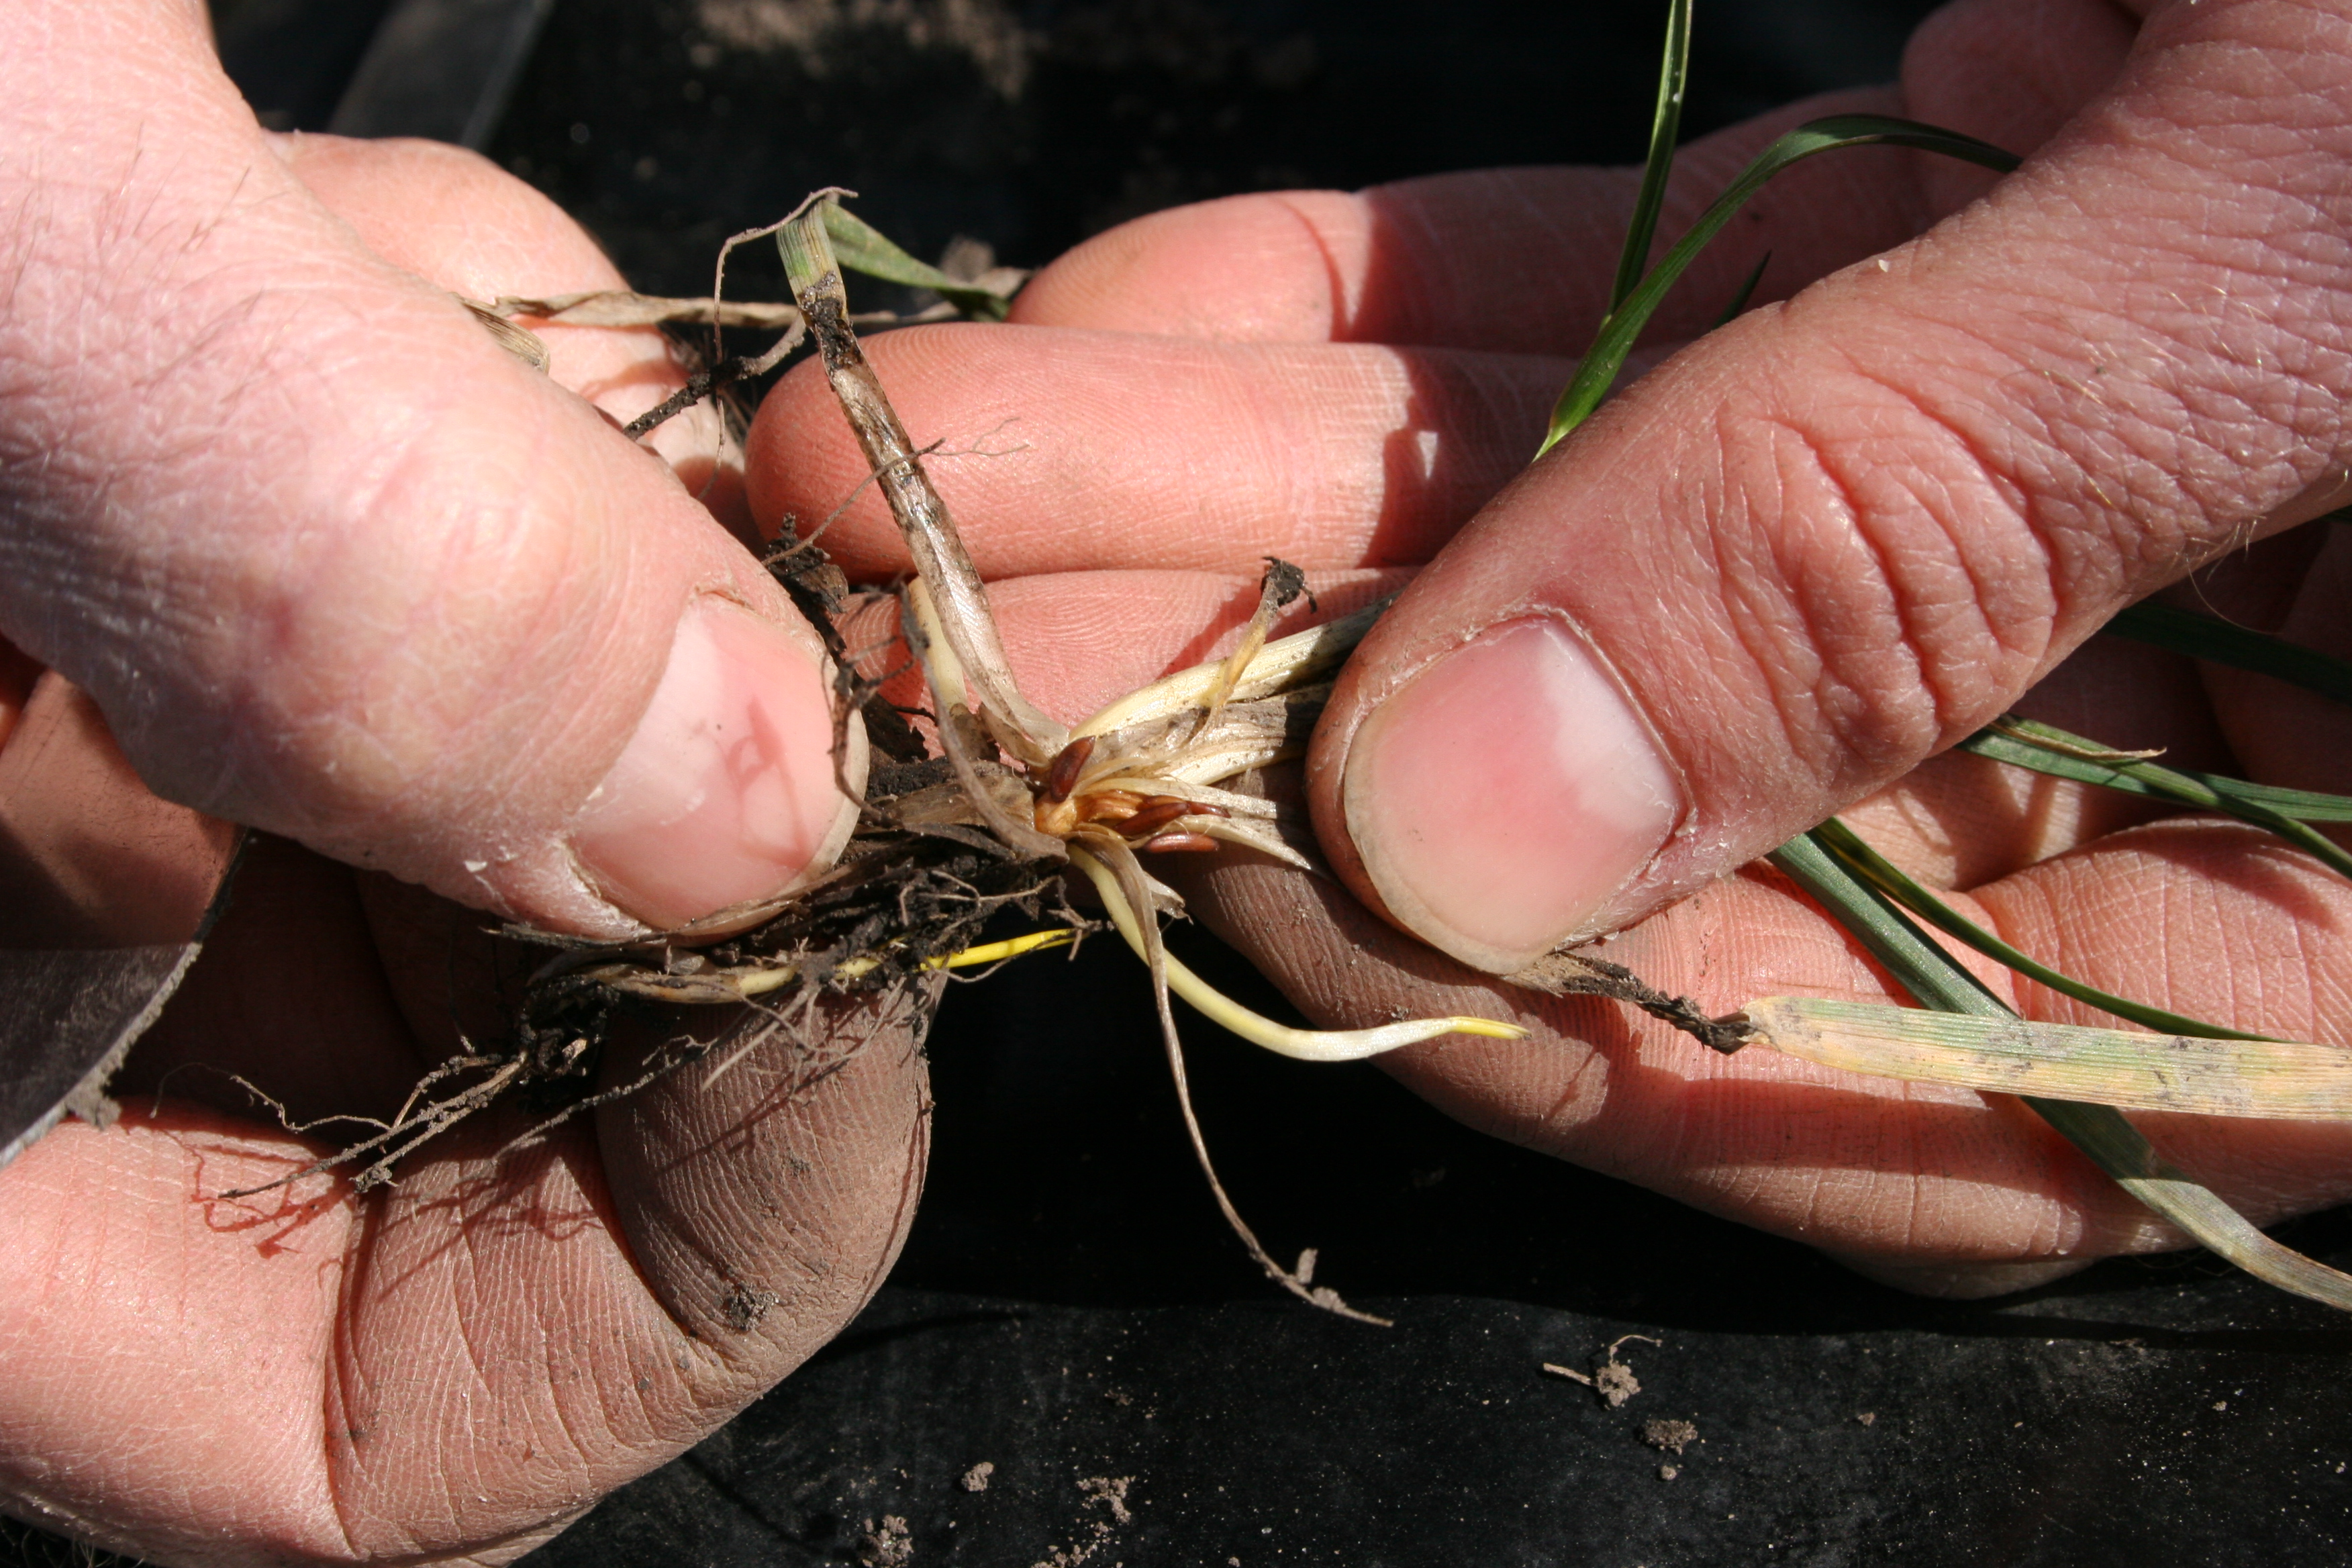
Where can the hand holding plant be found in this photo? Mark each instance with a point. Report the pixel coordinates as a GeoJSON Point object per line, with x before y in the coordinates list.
{"type": "Point", "coordinates": [1762, 585]}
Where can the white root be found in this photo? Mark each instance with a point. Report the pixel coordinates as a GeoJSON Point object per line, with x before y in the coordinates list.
{"type": "Point", "coordinates": [1112, 864]}
{"type": "Point", "coordinates": [1301, 1045]}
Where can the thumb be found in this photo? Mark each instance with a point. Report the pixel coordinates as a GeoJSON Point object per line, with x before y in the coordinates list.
{"type": "Point", "coordinates": [1837, 537]}
{"type": "Point", "coordinates": [334, 564]}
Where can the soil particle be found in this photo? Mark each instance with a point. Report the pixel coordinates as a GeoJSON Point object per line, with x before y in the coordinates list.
{"type": "Point", "coordinates": [1669, 1437]}
{"type": "Point", "coordinates": [888, 1545]}
{"type": "Point", "coordinates": [975, 1479]}
{"type": "Point", "coordinates": [742, 1306]}
{"type": "Point", "coordinates": [1111, 1493]}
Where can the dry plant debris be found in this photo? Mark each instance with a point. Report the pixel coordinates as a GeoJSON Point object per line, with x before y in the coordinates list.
{"type": "Point", "coordinates": [1610, 1379]}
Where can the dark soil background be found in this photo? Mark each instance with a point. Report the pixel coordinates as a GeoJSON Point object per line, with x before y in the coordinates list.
{"type": "Point", "coordinates": [666, 127]}
{"type": "Point", "coordinates": [1069, 1309]}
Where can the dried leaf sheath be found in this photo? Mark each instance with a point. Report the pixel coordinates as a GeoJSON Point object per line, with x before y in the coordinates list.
{"type": "Point", "coordinates": [2064, 1061]}
{"type": "Point", "coordinates": [922, 518]}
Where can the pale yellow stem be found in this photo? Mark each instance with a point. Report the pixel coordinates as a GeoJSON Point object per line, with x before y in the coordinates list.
{"type": "Point", "coordinates": [1303, 1045]}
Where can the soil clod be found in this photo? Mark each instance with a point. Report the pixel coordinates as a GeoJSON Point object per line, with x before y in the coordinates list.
{"type": "Point", "coordinates": [890, 1544]}
{"type": "Point", "coordinates": [1669, 1437]}
{"type": "Point", "coordinates": [742, 1306]}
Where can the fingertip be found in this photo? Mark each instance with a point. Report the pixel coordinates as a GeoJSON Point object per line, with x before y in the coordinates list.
{"type": "Point", "coordinates": [454, 217]}
{"type": "Point", "coordinates": [727, 793]}
{"type": "Point", "coordinates": [1501, 802]}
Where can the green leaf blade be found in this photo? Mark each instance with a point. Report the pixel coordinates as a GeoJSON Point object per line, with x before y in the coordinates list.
{"type": "Point", "coordinates": [1599, 369]}
{"type": "Point", "coordinates": [859, 245]}
{"type": "Point", "coordinates": [2218, 642]}
{"type": "Point", "coordinates": [1882, 874]}
{"type": "Point", "coordinates": [2045, 748]}
{"type": "Point", "coordinates": [1665, 124]}
{"type": "Point", "coordinates": [2004, 745]}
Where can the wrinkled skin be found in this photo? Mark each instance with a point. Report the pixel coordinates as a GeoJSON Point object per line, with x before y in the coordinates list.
{"type": "Point", "coordinates": [1813, 550]}
{"type": "Point", "coordinates": [447, 1371]}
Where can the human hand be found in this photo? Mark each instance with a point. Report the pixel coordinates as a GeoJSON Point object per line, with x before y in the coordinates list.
{"type": "Point", "coordinates": [1767, 583]}
{"type": "Point", "coordinates": [332, 563]}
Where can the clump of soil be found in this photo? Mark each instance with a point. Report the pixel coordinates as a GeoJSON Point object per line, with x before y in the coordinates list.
{"type": "Point", "coordinates": [1110, 1491]}
{"type": "Point", "coordinates": [1669, 1437]}
{"type": "Point", "coordinates": [890, 1544]}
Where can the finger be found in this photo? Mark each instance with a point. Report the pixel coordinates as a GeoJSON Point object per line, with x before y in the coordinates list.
{"type": "Point", "coordinates": [1069, 451]}
{"type": "Point", "coordinates": [1505, 260]}
{"type": "Point", "coordinates": [290, 964]}
{"type": "Point", "coordinates": [18, 671]}
{"type": "Point", "coordinates": [1874, 1170]}
{"type": "Point", "coordinates": [2010, 72]}
{"type": "Point", "coordinates": [88, 857]}
{"type": "Point", "coordinates": [441, 213]}
{"type": "Point", "coordinates": [2284, 734]}
{"type": "Point", "coordinates": [334, 564]}
{"type": "Point", "coordinates": [1840, 535]}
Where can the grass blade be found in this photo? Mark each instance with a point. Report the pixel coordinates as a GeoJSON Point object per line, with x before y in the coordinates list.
{"type": "Point", "coordinates": [2004, 745]}
{"type": "Point", "coordinates": [1888, 879]}
{"type": "Point", "coordinates": [1665, 125]}
{"type": "Point", "coordinates": [2219, 642]}
{"type": "Point", "coordinates": [1598, 371]}
{"type": "Point", "coordinates": [2241, 1076]}
{"type": "Point", "coordinates": [2116, 1146]}
{"type": "Point", "coordinates": [1919, 965]}
{"type": "Point", "coordinates": [2046, 749]}
{"type": "Point", "coordinates": [1745, 292]}
{"type": "Point", "coordinates": [858, 245]}
{"type": "Point", "coordinates": [2100, 1132]}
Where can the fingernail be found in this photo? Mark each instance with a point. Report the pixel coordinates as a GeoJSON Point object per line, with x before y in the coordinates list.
{"type": "Point", "coordinates": [725, 793]}
{"type": "Point", "coordinates": [1503, 799]}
